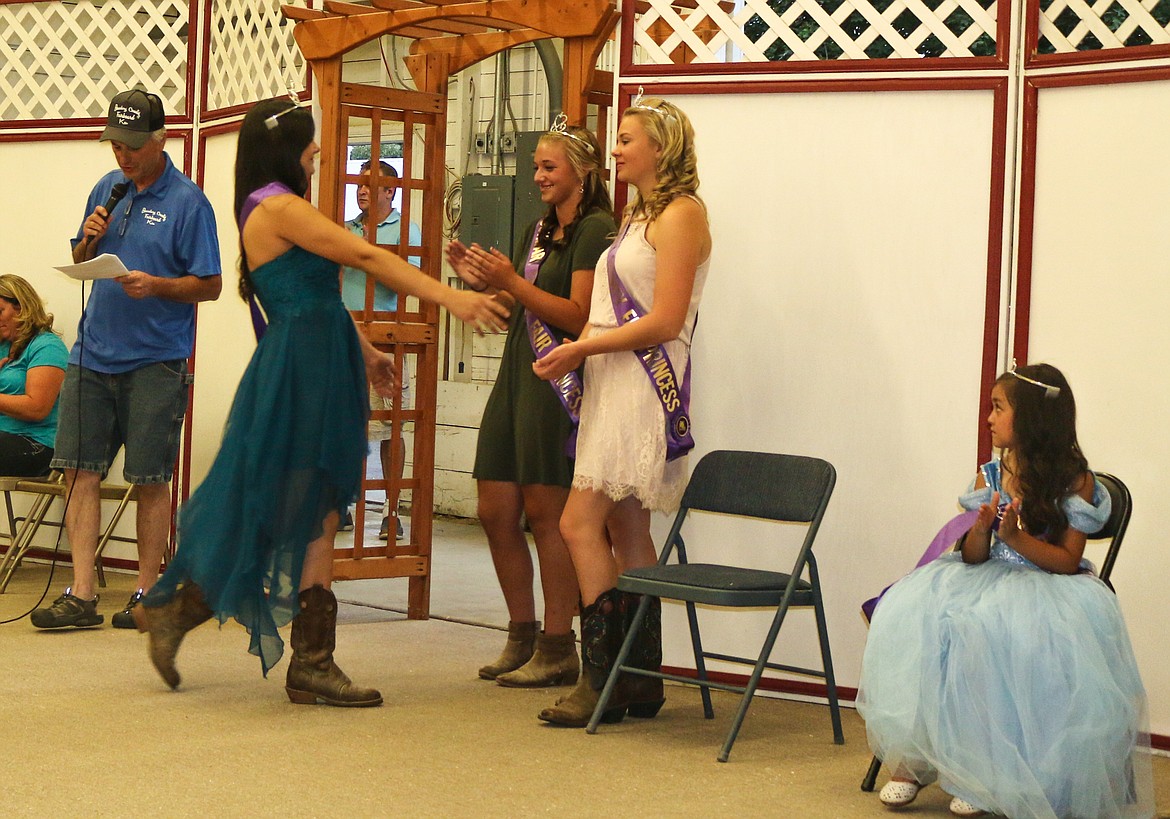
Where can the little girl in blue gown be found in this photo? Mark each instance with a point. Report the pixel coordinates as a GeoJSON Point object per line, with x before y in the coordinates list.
{"type": "Point", "coordinates": [1004, 669]}
{"type": "Point", "coordinates": [255, 540]}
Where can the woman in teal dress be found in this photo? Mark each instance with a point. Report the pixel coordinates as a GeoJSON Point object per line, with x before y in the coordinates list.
{"type": "Point", "coordinates": [255, 540]}
{"type": "Point", "coordinates": [1003, 670]}
{"type": "Point", "coordinates": [522, 470]}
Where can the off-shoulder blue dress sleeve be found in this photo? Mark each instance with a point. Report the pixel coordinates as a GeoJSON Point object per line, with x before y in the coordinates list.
{"type": "Point", "coordinates": [1014, 687]}
{"type": "Point", "coordinates": [292, 450]}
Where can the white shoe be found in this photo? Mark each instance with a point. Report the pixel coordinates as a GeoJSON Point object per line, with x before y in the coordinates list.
{"type": "Point", "coordinates": [897, 794]}
{"type": "Point", "coordinates": [961, 807]}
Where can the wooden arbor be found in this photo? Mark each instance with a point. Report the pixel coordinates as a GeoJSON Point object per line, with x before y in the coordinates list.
{"type": "Point", "coordinates": [448, 37]}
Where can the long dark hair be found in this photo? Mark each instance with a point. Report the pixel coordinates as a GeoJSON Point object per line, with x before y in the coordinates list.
{"type": "Point", "coordinates": [583, 153]}
{"type": "Point", "coordinates": [270, 154]}
{"type": "Point", "coordinates": [1048, 460]}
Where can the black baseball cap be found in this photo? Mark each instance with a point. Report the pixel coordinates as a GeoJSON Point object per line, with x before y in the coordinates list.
{"type": "Point", "coordinates": [133, 117]}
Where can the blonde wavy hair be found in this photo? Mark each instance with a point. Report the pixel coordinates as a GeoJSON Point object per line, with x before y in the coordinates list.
{"type": "Point", "coordinates": [33, 320]}
{"type": "Point", "coordinates": [677, 168]}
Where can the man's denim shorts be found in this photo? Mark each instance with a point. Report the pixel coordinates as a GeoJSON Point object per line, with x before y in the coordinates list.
{"type": "Point", "coordinates": [141, 410]}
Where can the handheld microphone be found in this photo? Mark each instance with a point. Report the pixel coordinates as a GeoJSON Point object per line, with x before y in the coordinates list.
{"type": "Point", "coordinates": [116, 194]}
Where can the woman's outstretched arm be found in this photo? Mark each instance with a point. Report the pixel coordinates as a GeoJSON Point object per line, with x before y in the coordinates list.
{"type": "Point", "coordinates": [282, 221]}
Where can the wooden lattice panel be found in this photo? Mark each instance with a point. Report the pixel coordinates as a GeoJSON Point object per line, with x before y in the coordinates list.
{"type": "Point", "coordinates": [253, 54]}
{"type": "Point", "coordinates": [66, 60]}
{"type": "Point", "coordinates": [708, 31]}
{"type": "Point", "coordinates": [1069, 26]}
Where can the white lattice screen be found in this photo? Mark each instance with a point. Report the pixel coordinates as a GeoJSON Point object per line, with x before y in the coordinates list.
{"type": "Point", "coordinates": [65, 60]}
{"type": "Point", "coordinates": [1068, 26]}
{"type": "Point", "coordinates": [253, 53]}
{"type": "Point", "coordinates": [813, 30]}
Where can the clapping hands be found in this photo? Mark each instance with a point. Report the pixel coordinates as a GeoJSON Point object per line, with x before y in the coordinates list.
{"type": "Point", "coordinates": [1005, 521]}
{"type": "Point", "coordinates": [480, 268]}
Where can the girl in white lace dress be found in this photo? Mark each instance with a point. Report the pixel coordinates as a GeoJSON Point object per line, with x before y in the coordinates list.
{"type": "Point", "coordinates": [622, 473]}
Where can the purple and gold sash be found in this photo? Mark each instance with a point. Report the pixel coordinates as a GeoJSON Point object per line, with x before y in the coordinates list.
{"type": "Point", "coordinates": [544, 341]}
{"type": "Point", "coordinates": [674, 397]}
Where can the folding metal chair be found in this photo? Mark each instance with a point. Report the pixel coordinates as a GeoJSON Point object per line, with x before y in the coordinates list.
{"type": "Point", "coordinates": [779, 488]}
{"type": "Point", "coordinates": [46, 491]}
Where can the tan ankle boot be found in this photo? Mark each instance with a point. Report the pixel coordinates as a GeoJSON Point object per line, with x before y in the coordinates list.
{"type": "Point", "coordinates": [574, 710]}
{"type": "Point", "coordinates": [168, 625]}
{"type": "Point", "coordinates": [553, 663]}
{"type": "Point", "coordinates": [312, 674]}
{"type": "Point", "coordinates": [517, 651]}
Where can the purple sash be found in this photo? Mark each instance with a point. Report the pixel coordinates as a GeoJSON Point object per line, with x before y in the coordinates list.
{"type": "Point", "coordinates": [675, 399]}
{"type": "Point", "coordinates": [543, 341]}
{"type": "Point", "coordinates": [259, 325]}
{"type": "Point", "coordinates": [954, 529]}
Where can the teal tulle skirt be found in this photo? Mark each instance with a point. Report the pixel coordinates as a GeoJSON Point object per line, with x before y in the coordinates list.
{"type": "Point", "coordinates": [292, 451]}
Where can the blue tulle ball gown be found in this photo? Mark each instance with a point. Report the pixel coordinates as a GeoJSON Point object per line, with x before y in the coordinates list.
{"type": "Point", "coordinates": [1015, 688]}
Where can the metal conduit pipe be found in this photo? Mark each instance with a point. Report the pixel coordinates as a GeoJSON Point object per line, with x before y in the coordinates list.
{"type": "Point", "coordinates": [497, 128]}
{"type": "Point", "coordinates": [554, 75]}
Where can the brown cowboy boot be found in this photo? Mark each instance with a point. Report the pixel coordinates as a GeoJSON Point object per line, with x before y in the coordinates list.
{"type": "Point", "coordinates": [312, 674]}
{"type": "Point", "coordinates": [168, 624]}
{"type": "Point", "coordinates": [601, 637]}
{"type": "Point", "coordinates": [517, 651]}
{"type": "Point", "coordinates": [553, 663]}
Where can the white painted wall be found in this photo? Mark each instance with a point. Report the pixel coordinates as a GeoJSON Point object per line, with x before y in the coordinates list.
{"type": "Point", "coordinates": [225, 339]}
{"type": "Point", "coordinates": [843, 318]}
{"type": "Point", "coordinates": [1099, 298]}
{"type": "Point", "coordinates": [55, 178]}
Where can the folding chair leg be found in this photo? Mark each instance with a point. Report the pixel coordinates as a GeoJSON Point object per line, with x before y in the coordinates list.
{"type": "Point", "coordinates": [744, 703]}
{"type": "Point", "coordinates": [108, 533]}
{"type": "Point", "coordinates": [754, 681]}
{"type": "Point", "coordinates": [700, 663]}
{"type": "Point", "coordinates": [11, 536]}
{"type": "Point", "coordinates": [23, 540]}
{"type": "Point", "coordinates": [867, 784]}
{"type": "Point", "coordinates": [826, 656]}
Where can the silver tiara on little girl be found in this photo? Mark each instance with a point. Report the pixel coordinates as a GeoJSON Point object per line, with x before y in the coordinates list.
{"type": "Point", "coordinates": [560, 127]}
{"type": "Point", "coordinates": [1050, 391]}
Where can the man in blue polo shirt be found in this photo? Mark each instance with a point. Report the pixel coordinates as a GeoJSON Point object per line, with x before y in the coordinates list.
{"type": "Point", "coordinates": [376, 203]}
{"type": "Point", "coordinates": [126, 385]}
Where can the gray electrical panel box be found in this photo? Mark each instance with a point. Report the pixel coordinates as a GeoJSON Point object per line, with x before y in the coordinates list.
{"type": "Point", "coordinates": [496, 209]}
{"type": "Point", "coordinates": [486, 213]}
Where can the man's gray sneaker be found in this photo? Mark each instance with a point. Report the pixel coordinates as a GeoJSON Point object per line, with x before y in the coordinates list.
{"type": "Point", "coordinates": [68, 610]}
{"type": "Point", "coordinates": [125, 618]}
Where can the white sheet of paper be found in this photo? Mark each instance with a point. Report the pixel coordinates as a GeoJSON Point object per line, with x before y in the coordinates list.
{"type": "Point", "coordinates": [105, 266]}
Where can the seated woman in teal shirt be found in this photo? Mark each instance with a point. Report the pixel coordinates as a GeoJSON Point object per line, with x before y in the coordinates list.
{"type": "Point", "coordinates": [32, 367]}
